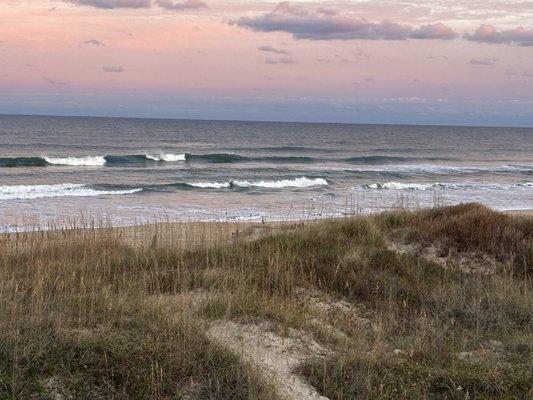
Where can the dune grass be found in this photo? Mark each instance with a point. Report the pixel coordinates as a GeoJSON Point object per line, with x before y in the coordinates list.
{"type": "Point", "coordinates": [89, 313]}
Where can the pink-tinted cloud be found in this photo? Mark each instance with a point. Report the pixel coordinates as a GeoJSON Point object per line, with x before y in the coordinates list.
{"type": "Point", "coordinates": [320, 25]}
{"type": "Point", "coordinates": [271, 49]}
{"type": "Point", "coordinates": [166, 4]}
{"type": "Point", "coordinates": [281, 60]}
{"type": "Point", "coordinates": [187, 5]}
{"type": "Point", "coordinates": [327, 11]}
{"type": "Point", "coordinates": [489, 34]}
{"type": "Point", "coordinates": [484, 61]}
{"type": "Point", "coordinates": [94, 42]}
{"type": "Point", "coordinates": [113, 3]}
{"type": "Point", "coordinates": [55, 81]}
{"type": "Point", "coordinates": [286, 7]}
{"type": "Point", "coordinates": [434, 31]}
{"type": "Point", "coordinates": [111, 68]}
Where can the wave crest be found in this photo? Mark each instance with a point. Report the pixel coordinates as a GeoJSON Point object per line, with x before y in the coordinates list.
{"type": "Point", "coordinates": [77, 161]}
{"type": "Point", "coordinates": [166, 157]}
{"type": "Point", "coordinates": [24, 192]}
{"type": "Point", "coordinates": [444, 186]}
{"type": "Point", "coordinates": [283, 183]}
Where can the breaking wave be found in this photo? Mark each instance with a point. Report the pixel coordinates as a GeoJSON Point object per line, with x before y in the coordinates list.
{"type": "Point", "coordinates": [444, 186]}
{"type": "Point", "coordinates": [89, 161]}
{"type": "Point", "coordinates": [302, 182]}
{"type": "Point", "coordinates": [167, 157]}
{"type": "Point", "coordinates": [434, 169]}
{"type": "Point", "coordinates": [214, 158]}
{"type": "Point", "coordinates": [22, 192]}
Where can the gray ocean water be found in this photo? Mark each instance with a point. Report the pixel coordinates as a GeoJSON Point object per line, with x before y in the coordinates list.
{"type": "Point", "coordinates": [137, 169]}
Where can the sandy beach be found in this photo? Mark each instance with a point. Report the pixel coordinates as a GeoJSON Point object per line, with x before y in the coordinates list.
{"type": "Point", "coordinates": [528, 213]}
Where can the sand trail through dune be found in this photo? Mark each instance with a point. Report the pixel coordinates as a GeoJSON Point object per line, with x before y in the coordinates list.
{"type": "Point", "coordinates": [272, 356]}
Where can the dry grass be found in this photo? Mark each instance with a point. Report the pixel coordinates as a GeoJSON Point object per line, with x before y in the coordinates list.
{"type": "Point", "coordinates": [94, 314]}
{"type": "Point", "coordinates": [470, 228]}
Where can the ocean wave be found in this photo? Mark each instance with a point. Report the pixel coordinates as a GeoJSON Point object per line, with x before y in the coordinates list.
{"type": "Point", "coordinates": [394, 166]}
{"type": "Point", "coordinates": [139, 159]}
{"type": "Point", "coordinates": [302, 182]}
{"type": "Point", "coordinates": [166, 157]}
{"type": "Point", "coordinates": [370, 160]}
{"type": "Point", "coordinates": [24, 192]}
{"type": "Point", "coordinates": [13, 162]}
{"type": "Point", "coordinates": [222, 158]}
{"type": "Point", "coordinates": [88, 161]}
{"type": "Point", "coordinates": [433, 169]}
{"type": "Point", "coordinates": [210, 185]}
{"type": "Point", "coordinates": [297, 182]}
{"type": "Point", "coordinates": [449, 169]}
{"type": "Point", "coordinates": [297, 149]}
{"type": "Point", "coordinates": [288, 159]}
{"type": "Point", "coordinates": [377, 160]}
{"type": "Point", "coordinates": [292, 149]}
{"type": "Point", "coordinates": [444, 186]}
{"type": "Point", "coordinates": [216, 158]}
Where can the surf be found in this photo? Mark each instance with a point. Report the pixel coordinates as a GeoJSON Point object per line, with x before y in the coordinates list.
{"type": "Point", "coordinates": [166, 157]}
{"type": "Point", "coordinates": [301, 182]}
{"type": "Point", "coordinates": [26, 192]}
{"type": "Point", "coordinates": [444, 186]}
{"type": "Point", "coordinates": [88, 161]}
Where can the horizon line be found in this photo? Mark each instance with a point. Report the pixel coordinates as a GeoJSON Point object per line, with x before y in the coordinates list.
{"type": "Point", "coordinates": [458, 125]}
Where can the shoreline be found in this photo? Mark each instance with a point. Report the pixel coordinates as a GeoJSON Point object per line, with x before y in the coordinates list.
{"type": "Point", "coordinates": [235, 224]}
{"type": "Point", "coordinates": [526, 212]}
{"type": "Point", "coordinates": [190, 234]}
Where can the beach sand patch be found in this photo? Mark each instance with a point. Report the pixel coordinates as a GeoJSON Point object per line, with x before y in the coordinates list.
{"type": "Point", "coordinates": [274, 357]}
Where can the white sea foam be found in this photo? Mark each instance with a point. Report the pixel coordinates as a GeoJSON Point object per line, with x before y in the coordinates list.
{"type": "Point", "coordinates": [449, 169]}
{"type": "Point", "coordinates": [211, 185]}
{"type": "Point", "coordinates": [166, 157]}
{"type": "Point", "coordinates": [22, 192]}
{"type": "Point", "coordinates": [88, 161]}
{"type": "Point", "coordinates": [297, 182]}
{"type": "Point", "coordinates": [435, 169]}
{"type": "Point", "coordinates": [445, 186]}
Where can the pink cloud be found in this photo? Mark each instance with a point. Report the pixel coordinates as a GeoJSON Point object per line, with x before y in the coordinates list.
{"type": "Point", "coordinates": [320, 25]}
{"type": "Point", "coordinates": [115, 69]}
{"type": "Point", "coordinates": [113, 3]}
{"type": "Point", "coordinates": [484, 61]}
{"type": "Point", "coordinates": [187, 5]}
{"type": "Point", "coordinates": [281, 60]}
{"type": "Point", "coordinates": [434, 31]}
{"type": "Point", "coordinates": [166, 4]}
{"type": "Point", "coordinates": [271, 49]}
{"type": "Point", "coordinates": [489, 34]}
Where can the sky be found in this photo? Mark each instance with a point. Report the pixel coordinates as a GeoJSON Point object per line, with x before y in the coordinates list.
{"type": "Point", "coordinates": [458, 62]}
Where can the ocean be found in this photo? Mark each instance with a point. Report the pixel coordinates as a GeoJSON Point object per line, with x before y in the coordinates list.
{"type": "Point", "coordinates": [131, 170]}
